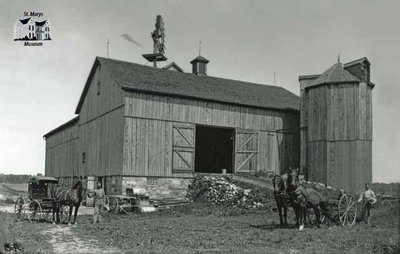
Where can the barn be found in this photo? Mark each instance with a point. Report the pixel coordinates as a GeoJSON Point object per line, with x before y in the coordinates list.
{"type": "Point", "coordinates": [152, 128]}
{"type": "Point", "coordinates": [336, 125]}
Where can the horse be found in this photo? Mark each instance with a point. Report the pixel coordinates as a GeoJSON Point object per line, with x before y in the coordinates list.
{"type": "Point", "coordinates": [281, 198]}
{"type": "Point", "coordinates": [303, 197]}
{"type": "Point", "coordinates": [68, 197]}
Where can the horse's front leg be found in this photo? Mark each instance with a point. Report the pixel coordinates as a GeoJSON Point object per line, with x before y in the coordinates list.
{"type": "Point", "coordinates": [296, 212]}
{"type": "Point", "coordinates": [302, 211]}
{"type": "Point", "coordinates": [76, 212]}
{"type": "Point", "coordinates": [280, 214]}
{"type": "Point", "coordinates": [285, 214]}
{"type": "Point", "coordinates": [70, 214]}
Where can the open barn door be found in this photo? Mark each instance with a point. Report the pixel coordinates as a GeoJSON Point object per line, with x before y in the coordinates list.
{"type": "Point", "coordinates": [246, 151]}
{"type": "Point", "coordinates": [183, 146]}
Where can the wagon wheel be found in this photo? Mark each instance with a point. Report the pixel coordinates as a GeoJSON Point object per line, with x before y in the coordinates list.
{"type": "Point", "coordinates": [64, 213]}
{"type": "Point", "coordinates": [20, 208]}
{"type": "Point", "coordinates": [35, 211]}
{"type": "Point", "coordinates": [347, 209]}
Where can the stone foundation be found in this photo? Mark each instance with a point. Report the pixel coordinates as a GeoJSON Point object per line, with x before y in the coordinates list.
{"type": "Point", "coordinates": [157, 187]}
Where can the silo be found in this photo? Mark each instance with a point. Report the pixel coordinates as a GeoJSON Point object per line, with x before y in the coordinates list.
{"type": "Point", "coordinates": [336, 125]}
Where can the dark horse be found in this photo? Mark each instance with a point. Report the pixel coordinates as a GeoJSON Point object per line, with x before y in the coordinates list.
{"type": "Point", "coordinates": [68, 197]}
{"type": "Point", "coordinates": [303, 197]}
{"type": "Point", "coordinates": [281, 198]}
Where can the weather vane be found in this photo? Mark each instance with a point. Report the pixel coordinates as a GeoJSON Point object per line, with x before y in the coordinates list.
{"type": "Point", "coordinates": [158, 36]}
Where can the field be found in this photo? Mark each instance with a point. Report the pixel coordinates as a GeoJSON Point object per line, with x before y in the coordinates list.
{"type": "Point", "coordinates": [200, 228]}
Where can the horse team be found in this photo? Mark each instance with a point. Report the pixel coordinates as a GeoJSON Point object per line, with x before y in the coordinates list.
{"type": "Point", "coordinates": [300, 198]}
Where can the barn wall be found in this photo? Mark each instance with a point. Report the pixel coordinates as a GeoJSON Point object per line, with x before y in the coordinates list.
{"type": "Point", "coordinates": [101, 126]}
{"type": "Point", "coordinates": [61, 152]}
{"type": "Point", "coordinates": [102, 142]}
{"type": "Point", "coordinates": [110, 97]}
{"type": "Point", "coordinates": [149, 121]}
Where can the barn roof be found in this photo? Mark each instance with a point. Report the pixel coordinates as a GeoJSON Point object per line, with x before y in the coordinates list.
{"type": "Point", "coordinates": [140, 78]}
{"type": "Point", "coordinates": [334, 75]}
{"type": "Point", "coordinates": [62, 126]}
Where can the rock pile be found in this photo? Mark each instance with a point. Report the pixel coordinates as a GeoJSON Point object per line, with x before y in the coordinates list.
{"type": "Point", "coordinates": [218, 190]}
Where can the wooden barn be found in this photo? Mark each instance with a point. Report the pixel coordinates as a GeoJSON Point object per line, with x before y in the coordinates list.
{"type": "Point", "coordinates": [153, 128]}
{"type": "Point", "coordinates": [336, 125]}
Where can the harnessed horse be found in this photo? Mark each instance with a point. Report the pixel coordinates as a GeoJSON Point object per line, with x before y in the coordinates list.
{"type": "Point", "coordinates": [68, 197]}
{"type": "Point", "coordinates": [281, 198]}
{"type": "Point", "coordinates": [303, 197]}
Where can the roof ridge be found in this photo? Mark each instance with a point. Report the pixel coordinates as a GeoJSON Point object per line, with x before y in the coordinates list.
{"type": "Point", "coordinates": [194, 75]}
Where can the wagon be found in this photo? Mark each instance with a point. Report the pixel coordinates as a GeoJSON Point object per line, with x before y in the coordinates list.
{"type": "Point", "coordinates": [132, 202]}
{"type": "Point", "coordinates": [343, 209]}
{"type": "Point", "coordinates": [39, 204]}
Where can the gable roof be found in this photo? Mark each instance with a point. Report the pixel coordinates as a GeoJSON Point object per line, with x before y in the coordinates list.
{"type": "Point", "coordinates": [24, 21]}
{"type": "Point", "coordinates": [171, 66]}
{"type": "Point", "coordinates": [335, 74]}
{"type": "Point", "coordinates": [363, 59]}
{"type": "Point", "coordinates": [140, 78]}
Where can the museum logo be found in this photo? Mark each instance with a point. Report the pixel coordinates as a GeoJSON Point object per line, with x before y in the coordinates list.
{"type": "Point", "coordinates": [32, 29]}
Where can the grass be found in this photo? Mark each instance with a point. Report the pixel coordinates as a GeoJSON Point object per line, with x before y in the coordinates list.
{"type": "Point", "coordinates": [198, 227]}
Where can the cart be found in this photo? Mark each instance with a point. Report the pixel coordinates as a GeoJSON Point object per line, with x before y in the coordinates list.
{"type": "Point", "coordinates": [40, 204]}
{"type": "Point", "coordinates": [344, 210]}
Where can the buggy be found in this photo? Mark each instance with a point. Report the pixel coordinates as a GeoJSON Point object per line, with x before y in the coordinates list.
{"type": "Point", "coordinates": [40, 203]}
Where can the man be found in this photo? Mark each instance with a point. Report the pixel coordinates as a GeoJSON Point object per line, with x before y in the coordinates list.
{"type": "Point", "coordinates": [99, 200]}
{"type": "Point", "coordinates": [368, 198]}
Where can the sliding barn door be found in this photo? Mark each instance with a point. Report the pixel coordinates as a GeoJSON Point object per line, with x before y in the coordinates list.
{"type": "Point", "coordinates": [246, 151]}
{"type": "Point", "coordinates": [183, 145]}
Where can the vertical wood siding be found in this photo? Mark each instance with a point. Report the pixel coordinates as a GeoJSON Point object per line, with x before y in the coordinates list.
{"type": "Point", "coordinates": [150, 152]}
{"type": "Point", "coordinates": [339, 134]}
{"type": "Point", "coordinates": [61, 152]}
{"type": "Point", "coordinates": [98, 134]}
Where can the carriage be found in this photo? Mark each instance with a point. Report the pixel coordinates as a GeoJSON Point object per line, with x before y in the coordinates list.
{"type": "Point", "coordinates": [40, 203]}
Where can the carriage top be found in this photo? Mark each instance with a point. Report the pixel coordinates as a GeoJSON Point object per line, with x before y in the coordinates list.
{"type": "Point", "coordinates": [41, 187]}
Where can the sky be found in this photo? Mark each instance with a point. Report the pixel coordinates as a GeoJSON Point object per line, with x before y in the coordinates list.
{"type": "Point", "coordinates": [244, 40]}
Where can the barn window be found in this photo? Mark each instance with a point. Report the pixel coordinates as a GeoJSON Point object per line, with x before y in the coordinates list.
{"type": "Point", "coordinates": [83, 158]}
{"type": "Point", "coordinates": [98, 87]}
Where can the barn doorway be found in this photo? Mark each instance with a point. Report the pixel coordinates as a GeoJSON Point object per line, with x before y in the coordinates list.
{"type": "Point", "coordinates": [214, 149]}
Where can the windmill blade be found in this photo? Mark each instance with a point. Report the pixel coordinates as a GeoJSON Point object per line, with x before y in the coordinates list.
{"type": "Point", "coordinates": [130, 39]}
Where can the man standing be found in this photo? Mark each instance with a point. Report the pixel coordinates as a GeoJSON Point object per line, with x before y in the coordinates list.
{"type": "Point", "coordinates": [368, 198]}
{"type": "Point", "coordinates": [99, 200]}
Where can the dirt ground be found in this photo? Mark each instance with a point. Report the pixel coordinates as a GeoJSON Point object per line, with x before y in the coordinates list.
{"type": "Point", "coordinates": [199, 228]}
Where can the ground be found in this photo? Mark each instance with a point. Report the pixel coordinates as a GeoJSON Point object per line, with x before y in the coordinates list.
{"type": "Point", "coordinates": [195, 228]}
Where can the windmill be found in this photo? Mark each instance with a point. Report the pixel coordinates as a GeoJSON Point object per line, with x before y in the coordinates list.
{"type": "Point", "coordinates": [158, 36]}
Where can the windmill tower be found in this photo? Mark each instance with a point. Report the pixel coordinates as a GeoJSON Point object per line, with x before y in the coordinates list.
{"type": "Point", "coordinates": [158, 36]}
{"type": "Point", "coordinates": [336, 125]}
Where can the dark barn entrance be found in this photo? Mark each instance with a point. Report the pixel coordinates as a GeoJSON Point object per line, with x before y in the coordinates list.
{"type": "Point", "coordinates": [214, 149]}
